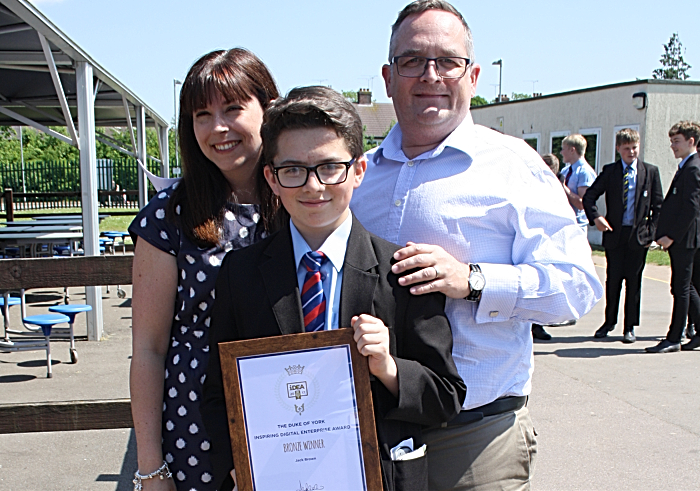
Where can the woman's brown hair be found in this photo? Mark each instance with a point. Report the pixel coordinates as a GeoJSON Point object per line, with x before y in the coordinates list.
{"type": "Point", "coordinates": [198, 201]}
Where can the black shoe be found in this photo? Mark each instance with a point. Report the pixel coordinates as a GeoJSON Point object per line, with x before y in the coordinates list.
{"type": "Point", "coordinates": [692, 344]}
{"type": "Point", "coordinates": [538, 332]}
{"type": "Point", "coordinates": [603, 331]}
{"type": "Point", "coordinates": [629, 336]}
{"type": "Point", "coordinates": [664, 346]}
{"type": "Point", "coordinates": [690, 331]}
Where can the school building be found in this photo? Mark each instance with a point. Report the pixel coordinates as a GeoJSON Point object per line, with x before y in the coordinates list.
{"type": "Point", "coordinates": [648, 106]}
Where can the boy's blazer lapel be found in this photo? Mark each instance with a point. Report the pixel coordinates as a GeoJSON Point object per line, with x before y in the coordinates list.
{"type": "Point", "coordinates": [359, 283]}
{"type": "Point", "coordinates": [279, 275]}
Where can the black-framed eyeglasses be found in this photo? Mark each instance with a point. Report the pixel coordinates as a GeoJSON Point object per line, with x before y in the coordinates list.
{"type": "Point", "coordinates": [329, 173]}
{"type": "Point", "coordinates": [446, 66]}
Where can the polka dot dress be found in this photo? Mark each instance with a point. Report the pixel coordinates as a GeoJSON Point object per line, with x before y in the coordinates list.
{"type": "Point", "coordinates": [185, 441]}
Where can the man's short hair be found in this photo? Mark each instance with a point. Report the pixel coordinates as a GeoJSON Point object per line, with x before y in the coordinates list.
{"type": "Point", "coordinates": [552, 161]}
{"type": "Point", "coordinates": [311, 107]}
{"type": "Point", "coordinates": [625, 136]}
{"type": "Point", "coordinates": [420, 6]}
{"type": "Point", "coordinates": [689, 129]}
{"type": "Point", "coordinates": [577, 142]}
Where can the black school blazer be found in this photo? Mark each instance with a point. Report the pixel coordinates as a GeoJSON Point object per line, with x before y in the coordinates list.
{"type": "Point", "coordinates": [680, 212]}
{"type": "Point", "coordinates": [257, 295]}
{"type": "Point", "coordinates": [648, 197]}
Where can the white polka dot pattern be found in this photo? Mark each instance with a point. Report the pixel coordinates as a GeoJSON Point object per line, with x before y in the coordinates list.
{"type": "Point", "coordinates": [185, 443]}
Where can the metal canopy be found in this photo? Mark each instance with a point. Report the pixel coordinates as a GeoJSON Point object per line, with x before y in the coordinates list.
{"type": "Point", "coordinates": [47, 80]}
{"type": "Point", "coordinates": [26, 85]}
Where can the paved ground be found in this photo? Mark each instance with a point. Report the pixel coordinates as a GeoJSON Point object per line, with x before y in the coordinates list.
{"type": "Point", "coordinates": [608, 415]}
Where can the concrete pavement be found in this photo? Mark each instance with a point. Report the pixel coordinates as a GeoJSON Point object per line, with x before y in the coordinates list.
{"type": "Point", "coordinates": [608, 415]}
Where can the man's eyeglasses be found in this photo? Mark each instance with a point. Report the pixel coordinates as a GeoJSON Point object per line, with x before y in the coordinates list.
{"type": "Point", "coordinates": [295, 176]}
{"type": "Point", "coordinates": [446, 66]}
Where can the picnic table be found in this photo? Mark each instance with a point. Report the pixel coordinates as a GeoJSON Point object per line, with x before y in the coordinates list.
{"type": "Point", "coordinates": [32, 239]}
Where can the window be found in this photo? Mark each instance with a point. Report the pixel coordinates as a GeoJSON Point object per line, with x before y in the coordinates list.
{"type": "Point", "coordinates": [592, 136]}
{"type": "Point", "coordinates": [533, 139]}
{"type": "Point", "coordinates": [555, 139]}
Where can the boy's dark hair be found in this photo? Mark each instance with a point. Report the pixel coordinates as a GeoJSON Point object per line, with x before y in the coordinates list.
{"type": "Point", "coordinates": [689, 129]}
{"type": "Point", "coordinates": [625, 136]}
{"type": "Point", "coordinates": [311, 107]}
{"type": "Point", "coordinates": [552, 162]}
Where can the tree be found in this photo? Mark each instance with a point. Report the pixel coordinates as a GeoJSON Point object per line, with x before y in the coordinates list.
{"type": "Point", "coordinates": [350, 95]}
{"type": "Point", "coordinates": [517, 96]}
{"type": "Point", "coordinates": [674, 67]}
{"type": "Point", "coordinates": [478, 101]}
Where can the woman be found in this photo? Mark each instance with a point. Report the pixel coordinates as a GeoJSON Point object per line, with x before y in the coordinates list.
{"type": "Point", "coordinates": [222, 203]}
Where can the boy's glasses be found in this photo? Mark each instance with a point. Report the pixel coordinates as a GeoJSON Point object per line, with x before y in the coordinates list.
{"type": "Point", "coordinates": [295, 176]}
{"type": "Point", "coordinates": [446, 66]}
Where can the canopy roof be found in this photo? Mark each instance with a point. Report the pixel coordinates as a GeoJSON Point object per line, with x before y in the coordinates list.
{"type": "Point", "coordinates": [27, 86]}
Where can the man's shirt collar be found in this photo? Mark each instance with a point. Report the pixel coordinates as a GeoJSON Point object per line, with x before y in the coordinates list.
{"type": "Point", "coordinates": [459, 139]}
{"type": "Point", "coordinates": [633, 165]}
{"type": "Point", "coordinates": [334, 247]}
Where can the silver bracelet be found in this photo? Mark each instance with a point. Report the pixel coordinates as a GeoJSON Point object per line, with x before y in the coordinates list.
{"type": "Point", "coordinates": [163, 472]}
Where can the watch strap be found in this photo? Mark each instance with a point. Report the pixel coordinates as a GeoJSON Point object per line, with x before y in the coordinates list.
{"type": "Point", "coordinates": [474, 295]}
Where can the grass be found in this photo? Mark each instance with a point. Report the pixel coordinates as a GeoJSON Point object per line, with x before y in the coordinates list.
{"type": "Point", "coordinates": [656, 256]}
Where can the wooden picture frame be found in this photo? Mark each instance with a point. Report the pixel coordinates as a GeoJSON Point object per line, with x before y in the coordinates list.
{"type": "Point", "coordinates": [230, 352]}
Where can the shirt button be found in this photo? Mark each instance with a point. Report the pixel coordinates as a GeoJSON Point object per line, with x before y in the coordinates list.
{"type": "Point", "coordinates": [397, 202]}
{"type": "Point", "coordinates": [409, 163]}
{"type": "Point", "coordinates": [493, 313]}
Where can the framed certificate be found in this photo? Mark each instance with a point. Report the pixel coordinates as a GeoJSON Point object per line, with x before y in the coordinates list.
{"type": "Point", "coordinates": [300, 413]}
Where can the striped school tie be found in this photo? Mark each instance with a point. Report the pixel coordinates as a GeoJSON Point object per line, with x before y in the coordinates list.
{"type": "Point", "coordinates": [625, 187]}
{"type": "Point", "coordinates": [313, 301]}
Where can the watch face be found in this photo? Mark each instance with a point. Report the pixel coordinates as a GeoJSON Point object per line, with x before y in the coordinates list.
{"type": "Point", "coordinates": [476, 281]}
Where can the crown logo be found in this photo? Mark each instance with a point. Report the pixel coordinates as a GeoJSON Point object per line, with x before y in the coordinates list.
{"type": "Point", "coordinates": [294, 370]}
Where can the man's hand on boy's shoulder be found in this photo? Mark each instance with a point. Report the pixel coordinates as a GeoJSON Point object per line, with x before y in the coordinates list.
{"type": "Point", "coordinates": [372, 338]}
{"type": "Point", "coordinates": [440, 271]}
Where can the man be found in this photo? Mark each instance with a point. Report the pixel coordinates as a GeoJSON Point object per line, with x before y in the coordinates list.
{"type": "Point", "coordinates": [679, 233]}
{"type": "Point", "coordinates": [578, 175]}
{"type": "Point", "coordinates": [633, 199]}
{"type": "Point", "coordinates": [486, 223]}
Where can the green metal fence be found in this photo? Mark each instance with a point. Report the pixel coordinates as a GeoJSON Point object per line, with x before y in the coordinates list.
{"type": "Point", "coordinates": [36, 183]}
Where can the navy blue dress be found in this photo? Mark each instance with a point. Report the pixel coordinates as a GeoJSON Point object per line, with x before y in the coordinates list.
{"type": "Point", "coordinates": [185, 441]}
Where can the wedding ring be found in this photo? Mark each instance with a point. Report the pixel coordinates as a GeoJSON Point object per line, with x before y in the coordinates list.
{"type": "Point", "coordinates": [437, 273]}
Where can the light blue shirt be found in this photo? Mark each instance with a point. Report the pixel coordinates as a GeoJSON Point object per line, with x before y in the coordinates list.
{"type": "Point", "coordinates": [332, 270]}
{"type": "Point", "coordinates": [486, 198]}
{"type": "Point", "coordinates": [628, 215]}
{"type": "Point", "coordinates": [582, 175]}
{"type": "Point", "coordinates": [680, 166]}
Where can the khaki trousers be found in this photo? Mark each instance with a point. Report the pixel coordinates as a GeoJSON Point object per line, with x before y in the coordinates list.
{"type": "Point", "coordinates": [497, 452]}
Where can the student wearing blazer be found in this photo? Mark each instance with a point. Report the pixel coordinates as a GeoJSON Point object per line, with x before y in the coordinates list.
{"type": "Point", "coordinates": [679, 233]}
{"type": "Point", "coordinates": [629, 227]}
{"type": "Point", "coordinates": [418, 328]}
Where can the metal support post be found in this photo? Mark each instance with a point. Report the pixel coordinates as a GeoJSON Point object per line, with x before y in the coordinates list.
{"type": "Point", "coordinates": [164, 151]}
{"type": "Point", "coordinates": [141, 152]}
{"type": "Point", "coordinates": [88, 187]}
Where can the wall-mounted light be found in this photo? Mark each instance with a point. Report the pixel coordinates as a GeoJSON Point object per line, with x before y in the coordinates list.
{"type": "Point", "coordinates": [639, 100]}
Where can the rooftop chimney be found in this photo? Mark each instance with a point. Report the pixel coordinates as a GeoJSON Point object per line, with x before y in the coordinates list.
{"type": "Point", "coordinates": [364, 97]}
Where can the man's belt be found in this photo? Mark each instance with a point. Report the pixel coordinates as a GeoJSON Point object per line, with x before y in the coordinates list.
{"type": "Point", "coordinates": [499, 406]}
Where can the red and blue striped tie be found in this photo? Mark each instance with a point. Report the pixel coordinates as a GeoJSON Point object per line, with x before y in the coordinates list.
{"type": "Point", "coordinates": [312, 299]}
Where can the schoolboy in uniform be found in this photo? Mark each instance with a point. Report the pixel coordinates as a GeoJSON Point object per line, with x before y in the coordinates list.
{"type": "Point", "coordinates": [312, 148]}
{"type": "Point", "coordinates": [678, 232]}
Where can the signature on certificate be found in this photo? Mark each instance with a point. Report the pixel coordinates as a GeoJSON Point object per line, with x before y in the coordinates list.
{"type": "Point", "coordinates": [309, 487]}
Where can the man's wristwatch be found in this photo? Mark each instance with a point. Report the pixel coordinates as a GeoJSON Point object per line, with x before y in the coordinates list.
{"type": "Point", "coordinates": [476, 283]}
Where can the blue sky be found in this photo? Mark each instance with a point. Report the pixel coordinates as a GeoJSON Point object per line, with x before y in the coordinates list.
{"type": "Point", "coordinates": [148, 43]}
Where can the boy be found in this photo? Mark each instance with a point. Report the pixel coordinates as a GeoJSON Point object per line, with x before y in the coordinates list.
{"type": "Point", "coordinates": [578, 175]}
{"type": "Point", "coordinates": [679, 232]}
{"type": "Point", "coordinates": [312, 148]}
{"type": "Point", "coordinates": [633, 197]}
